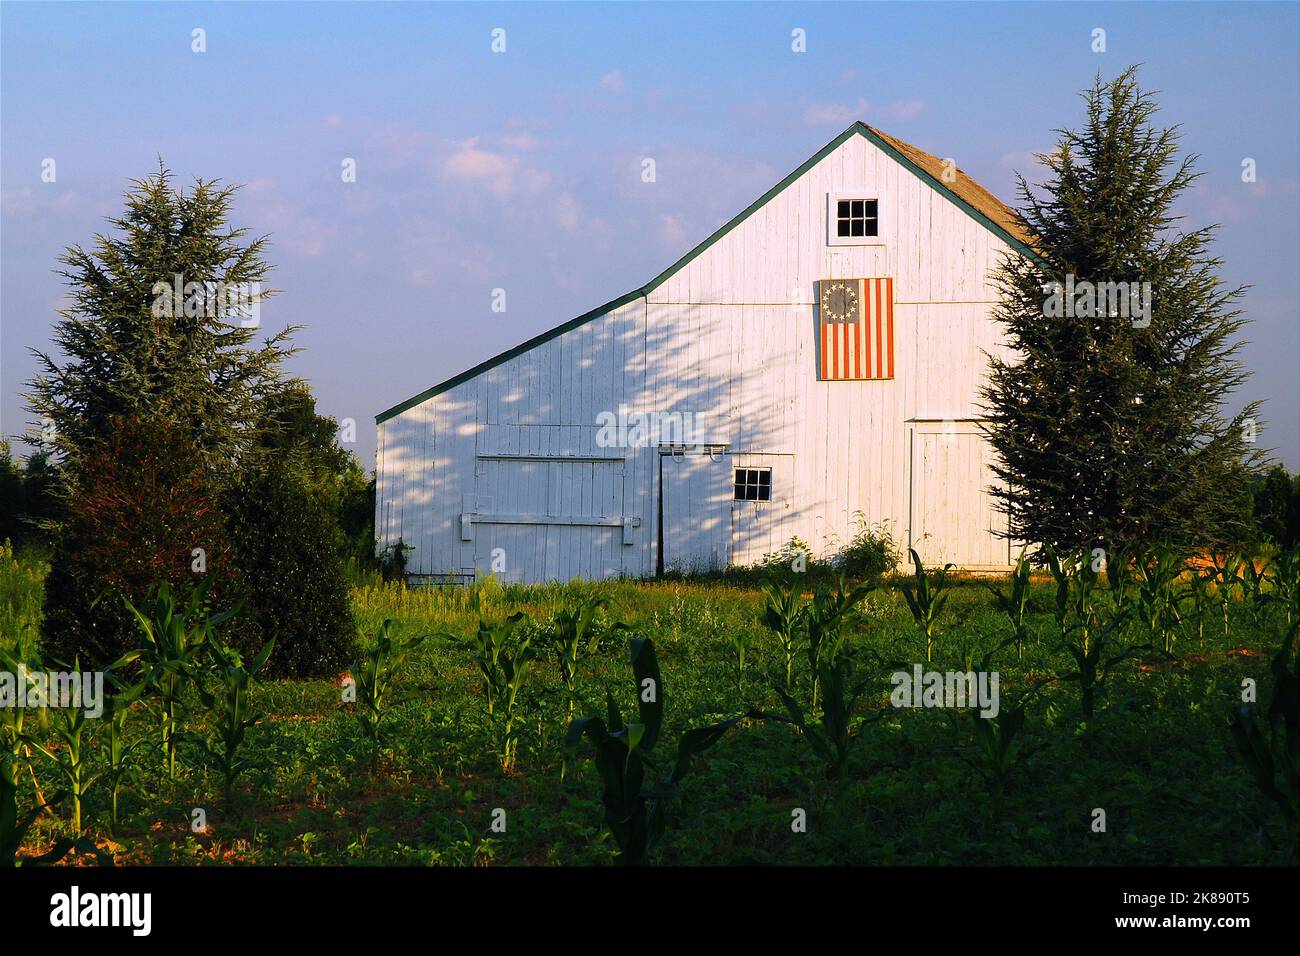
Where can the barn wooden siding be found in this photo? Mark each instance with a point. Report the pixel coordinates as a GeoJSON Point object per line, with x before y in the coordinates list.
{"type": "Point", "coordinates": [507, 458]}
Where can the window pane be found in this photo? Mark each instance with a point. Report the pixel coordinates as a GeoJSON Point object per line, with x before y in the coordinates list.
{"type": "Point", "coordinates": [871, 207]}
{"type": "Point", "coordinates": [751, 493]}
{"type": "Point", "coordinates": [765, 493]}
{"type": "Point", "coordinates": [871, 227]}
{"type": "Point", "coordinates": [764, 477]}
{"type": "Point", "coordinates": [856, 207]}
{"type": "Point", "coordinates": [842, 227]}
{"type": "Point", "coordinates": [740, 493]}
{"type": "Point", "coordinates": [856, 229]}
{"type": "Point", "coordinates": [842, 208]}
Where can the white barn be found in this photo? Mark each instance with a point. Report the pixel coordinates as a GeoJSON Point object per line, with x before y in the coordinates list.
{"type": "Point", "coordinates": [739, 399]}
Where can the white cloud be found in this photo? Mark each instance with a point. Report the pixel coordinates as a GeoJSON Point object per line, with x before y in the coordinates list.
{"type": "Point", "coordinates": [520, 141]}
{"type": "Point", "coordinates": [471, 162]}
{"type": "Point", "coordinates": [905, 109]}
{"type": "Point", "coordinates": [835, 114]}
{"type": "Point", "coordinates": [671, 230]}
{"type": "Point", "coordinates": [612, 81]}
{"type": "Point", "coordinates": [567, 212]}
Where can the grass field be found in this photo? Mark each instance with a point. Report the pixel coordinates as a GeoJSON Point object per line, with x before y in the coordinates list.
{"type": "Point", "coordinates": [1157, 757]}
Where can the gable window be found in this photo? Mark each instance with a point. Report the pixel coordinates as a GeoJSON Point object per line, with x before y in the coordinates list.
{"type": "Point", "coordinates": [852, 219]}
{"type": "Point", "coordinates": [856, 218]}
{"type": "Point", "coordinates": [753, 484]}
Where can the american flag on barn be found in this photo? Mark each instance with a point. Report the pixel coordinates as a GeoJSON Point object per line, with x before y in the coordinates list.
{"type": "Point", "coordinates": [856, 329]}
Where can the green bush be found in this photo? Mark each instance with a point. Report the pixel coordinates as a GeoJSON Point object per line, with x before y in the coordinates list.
{"type": "Point", "coordinates": [28, 499]}
{"type": "Point", "coordinates": [870, 555]}
{"type": "Point", "coordinates": [293, 577]}
{"type": "Point", "coordinates": [392, 561]}
{"type": "Point", "coordinates": [1277, 507]}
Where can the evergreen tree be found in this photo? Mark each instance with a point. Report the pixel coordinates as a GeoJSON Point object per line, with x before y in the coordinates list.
{"type": "Point", "coordinates": [132, 347]}
{"type": "Point", "coordinates": [1110, 428]}
{"type": "Point", "coordinates": [156, 403]}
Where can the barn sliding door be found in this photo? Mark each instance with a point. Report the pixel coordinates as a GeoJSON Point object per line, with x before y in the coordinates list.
{"type": "Point", "coordinates": [953, 516]}
{"type": "Point", "coordinates": [695, 529]}
{"type": "Point", "coordinates": [548, 518]}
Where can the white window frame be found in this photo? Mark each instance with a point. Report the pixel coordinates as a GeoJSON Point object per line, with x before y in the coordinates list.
{"type": "Point", "coordinates": [757, 484]}
{"type": "Point", "coordinates": [832, 218]}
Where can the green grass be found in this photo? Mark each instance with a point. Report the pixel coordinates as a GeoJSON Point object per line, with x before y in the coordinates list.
{"type": "Point", "coordinates": [1157, 758]}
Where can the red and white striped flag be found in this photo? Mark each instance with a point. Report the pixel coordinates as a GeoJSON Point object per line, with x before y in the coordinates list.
{"type": "Point", "coordinates": [855, 324]}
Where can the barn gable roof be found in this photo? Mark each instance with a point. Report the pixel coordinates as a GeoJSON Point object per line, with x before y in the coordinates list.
{"type": "Point", "coordinates": [968, 195]}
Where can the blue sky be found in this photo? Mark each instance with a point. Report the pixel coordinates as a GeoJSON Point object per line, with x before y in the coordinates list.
{"type": "Point", "coordinates": [521, 170]}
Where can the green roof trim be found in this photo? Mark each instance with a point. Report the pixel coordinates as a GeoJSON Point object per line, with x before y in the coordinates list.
{"type": "Point", "coordinates": [857, 129]}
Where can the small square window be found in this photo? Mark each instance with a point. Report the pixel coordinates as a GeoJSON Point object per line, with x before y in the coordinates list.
{"type": "Point", "coordinates": [856, 218]}
{"type": "Point", "coordinates": [753, 484]}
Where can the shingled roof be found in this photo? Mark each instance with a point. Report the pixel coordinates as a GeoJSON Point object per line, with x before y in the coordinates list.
{"type": "Point", "coordinates": [965, 188]}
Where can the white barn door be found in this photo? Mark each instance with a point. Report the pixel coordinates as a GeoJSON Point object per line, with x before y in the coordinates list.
{"type": "Point", "coordinates": [547, 518]}
{"type": "Point", "coordinates": [696, 510]}
{"type": "Point", "coordinates": [953, 516]}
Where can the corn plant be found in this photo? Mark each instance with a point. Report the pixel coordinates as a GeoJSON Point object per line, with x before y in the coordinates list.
{"type": "Point", "coordinates": [72, 755]}
{"type": "Point", "coordinates": [1255, 592]}
{"type": "Point", "coordinates": [1096, 653]}
{"type": "Point", "coordinates": [1274, 758]}
{"type": "Point", "coordinates": [1197, 593]}
{"type": "Point", "coordinates": [13, 743]}
{"type": "Point", "coordinates": [117, 750]}
{"type": "Point", "coordinates": [491, 641]}
{"type": "Point", "coordinates": [13, 824]}
{"type": "Point", "coordinates": [832, 733]}
{"type": "Point", "coordinates": [576, 636]}
{"type": "Point", "coordinates": [824, 620]}
{"type": "Point", "coordinates": [1015, 602]}
{"type": "Point", "coordinates": [1227, 577]}
{"type": "Point", "coordinates": [16, 742]}
{"type": "Point", "coordinates": [374, 670]}
{"type": "Point", "coordinates": [927, 600]}
{"type": "Point", "coordinates": [784, 614]}
{"type": "Point", "coordinates": [1076, 586]}
{"type": "Point", "coordinates": [1286, 582]}
{"type": "Point", "coordinates": [1061, 576]}
{"type": "Point", "coordinates": [173, 638]}
{"type": "Point", "coordinates": [504, 658]}
{"type": "Point", "coordinates": [1119, 576]}
{"type": "Point", "coordinates": [624, 752]}
{"type": "Point", "coordinates": [999, 740]}
{"type": "Point", "coordinates": [515, 667]}
{"type": "Point", "coordinates": [1157, 595]}
{"type": "Point", "coordinates": [1094, 647]}
{"type": "Point", "coordinates": [739, 641]}
{"type": "Point", "coordinates": [229, 708]}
